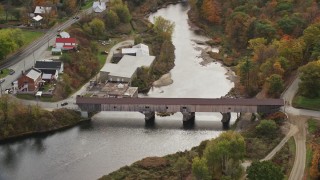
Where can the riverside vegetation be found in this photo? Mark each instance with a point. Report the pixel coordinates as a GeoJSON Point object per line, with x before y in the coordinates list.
{"type": "Point", "coordinates": [18, 120]}
{"type": "Point", "coordinates": [218, 158]}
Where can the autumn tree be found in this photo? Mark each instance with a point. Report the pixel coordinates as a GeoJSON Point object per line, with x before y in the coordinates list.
{"type": "Point", "coordinates": [211, 11]}
{"type": "Point", "coordinates": [310, 79]}
{"type": "Point", "coordinates": [164, 28]}
{"type": "Point", "coordinates": [311, 37]}
{"type": "Point", "coordinates": [292, 50]}
{"type": "Point", "coordinates": [97, 27]}
{"type": "Point", "coordinates": [111, 19]}
{"type": "Point", "coordinates": [181, 166]}
{"type": "Point", "coordinates": [122, 11]}
{"type": "Point", "coordinates": [200, 169]}
{"type": "Point", "coordinates": [265, 170]}
{"type": "Point", "coordinates": [70, 6]}
{"type": "Point", "coordinates": [237, 28]}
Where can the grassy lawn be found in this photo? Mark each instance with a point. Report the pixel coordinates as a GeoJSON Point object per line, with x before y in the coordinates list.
{"type": "Point", "coordinates": [306, 103]}
{"type": "Point", "coordinates": [30, 36]}
{"type": "Point", "coordinates": [4, 73]}
{"type": "Point", "coordinates": [312, 126]}
{"type": "Point", "coordinates": [88, 4]}
{"type": "Point", "coordinates": [103, 57]}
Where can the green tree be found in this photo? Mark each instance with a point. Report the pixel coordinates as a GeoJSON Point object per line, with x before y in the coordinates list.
{"type": "Point", "coordinates": [245, 67]}
{"type": "Point", "coordinates": [310, 79]}
{"type": "Point", "coordinates": [163, 27]}
{"type": "Point", "coordinates": [112, 19]}
{"type": "Point", "coordinates": [275, 85]}
{"type": "Point", "coordinates": [97, 27]}
{"type": "Point", "coordinates": [181, 165]}
{"type": "Point", "coordinates": [200, 169]}
{"type": "Point", "coordinates": [10, 40]}
{"type": "Point", "coordinates": [264, 170]}
{"type": "Point", "coordinates": [267, 128]}
{"type": "Point", "coordinates": [224, 153]}
{"type": "Point", "coordinates": [123, 12]}
{"type": "Point", "coordinates": [311, 36]}
{"type": "Point", "coordinates": [288, 24]}
{"type": "Point", "coordinates": [264, 28]}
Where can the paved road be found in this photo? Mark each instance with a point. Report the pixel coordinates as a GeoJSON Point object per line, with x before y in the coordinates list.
{"type": "Point", "coordinates": [298, 117]}
{"type": "Point", "coordinates": [25, 59]}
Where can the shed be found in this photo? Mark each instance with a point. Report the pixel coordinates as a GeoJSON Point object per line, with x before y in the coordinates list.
{"type": "Point", "coordinates": [56, 51]}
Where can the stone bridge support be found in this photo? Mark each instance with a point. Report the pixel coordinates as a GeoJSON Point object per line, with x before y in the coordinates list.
{"type": "Point", "coordinates": [226, 120]}
{"type": "Point", "coordinates": [84, 114]}
{"type": "Point", "coordinates": [188, 119]}
{"type": "Point", "coordinates": [149, 117]}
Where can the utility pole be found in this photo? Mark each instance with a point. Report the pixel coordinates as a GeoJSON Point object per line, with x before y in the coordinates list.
{"type": "Point", "coordinates": [34, 59]}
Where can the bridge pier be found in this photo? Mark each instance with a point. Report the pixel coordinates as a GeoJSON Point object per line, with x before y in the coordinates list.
{"type": "Point", "coordinates": [226, 120]}
{"type": "Point", "coordinates": [188, 119]}
{"type": "Point", "coordinates": [84, 114]}
{"type": "Point", "coordinates": [149, 117]}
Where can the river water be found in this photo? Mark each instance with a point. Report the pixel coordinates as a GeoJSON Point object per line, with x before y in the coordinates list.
{"type": "Point", "coordinates": [115, 139]}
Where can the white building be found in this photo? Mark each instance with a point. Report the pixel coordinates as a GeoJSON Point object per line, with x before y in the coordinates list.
{"type": "Point", "coordinates": [42, 10]}
{"type": "Point", "coordinates": [126, 69]}
{"type": "Point", "coordinates": [137, 50]}
{"type": "Point", "coordinates": [98, 6]}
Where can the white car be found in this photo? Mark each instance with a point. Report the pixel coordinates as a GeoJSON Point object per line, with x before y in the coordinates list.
{"type": "Point", "coordinates": [2, 80]}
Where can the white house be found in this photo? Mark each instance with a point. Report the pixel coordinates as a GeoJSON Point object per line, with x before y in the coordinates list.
{"type": "Point", "coordinates": [98, 6]}
{"type": "Point", "coordinates": [42, 10]}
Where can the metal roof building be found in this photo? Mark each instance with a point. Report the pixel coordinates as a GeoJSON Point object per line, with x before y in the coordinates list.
{"type": "Point", "coordinates": [126, 69]}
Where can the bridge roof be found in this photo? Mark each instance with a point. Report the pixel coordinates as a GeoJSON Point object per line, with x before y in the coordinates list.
{"type": "Point", "coordinates": [181, 101]}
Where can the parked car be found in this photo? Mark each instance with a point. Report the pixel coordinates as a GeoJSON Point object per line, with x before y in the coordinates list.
{"type": "Point", "coordinates": [11, 71]}
{"type": "Point", "coordinates": [2, 80]}
{"type": "Point", "coordinates": [64, 104]}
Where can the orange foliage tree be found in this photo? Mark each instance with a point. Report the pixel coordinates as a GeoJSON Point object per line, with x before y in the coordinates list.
{"type": "Point", "coordinates": [211, 11]}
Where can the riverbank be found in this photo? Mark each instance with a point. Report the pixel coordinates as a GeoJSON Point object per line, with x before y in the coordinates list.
{"type": "Point", "coordinates": [166, 167]}
{"type": "Point", "coordinates": [42, 132]}
{"type": "Point", "coordinates": [18, 120]}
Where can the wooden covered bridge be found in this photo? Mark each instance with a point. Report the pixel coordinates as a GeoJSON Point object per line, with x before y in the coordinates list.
{"type": "Point", "coordinates": [187, 106]}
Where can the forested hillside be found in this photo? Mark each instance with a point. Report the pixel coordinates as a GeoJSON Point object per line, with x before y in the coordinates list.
{"type": "Point", "coordinates": [265, 39]}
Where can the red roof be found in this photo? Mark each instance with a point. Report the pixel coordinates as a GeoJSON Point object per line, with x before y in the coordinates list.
{"type": "Point", "coordinates": [65, 40]}
{"type": "Point", "coordinates": [68, 47]}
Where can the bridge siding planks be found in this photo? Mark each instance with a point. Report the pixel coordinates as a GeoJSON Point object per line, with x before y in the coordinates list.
{"type": "Point", "coordinates": [180, 105]}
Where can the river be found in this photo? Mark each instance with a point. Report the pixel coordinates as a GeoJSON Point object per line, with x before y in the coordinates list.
{"type": "Point", "coordinates": [115, 139]}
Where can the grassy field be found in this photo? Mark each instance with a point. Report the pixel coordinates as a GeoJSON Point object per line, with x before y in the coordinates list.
{"type": "Point", "coordinates": [88, 4]}
{"type": "Point", "coordinates": [103, 57]}
{"type": "Point", "coordinates": [306, 103]}
{"type": "Point", "coordinates": [4, 73]}
{"type": "Point", "coordinates": [30, 36]}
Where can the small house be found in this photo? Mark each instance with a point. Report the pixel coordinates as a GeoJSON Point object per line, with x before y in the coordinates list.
{"type": "Point", "coordinates": [30, 81]}
{"type": "Point", "coordinates": [50, 67]}
{"type": "Point", "coordinates": [98, 6]}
